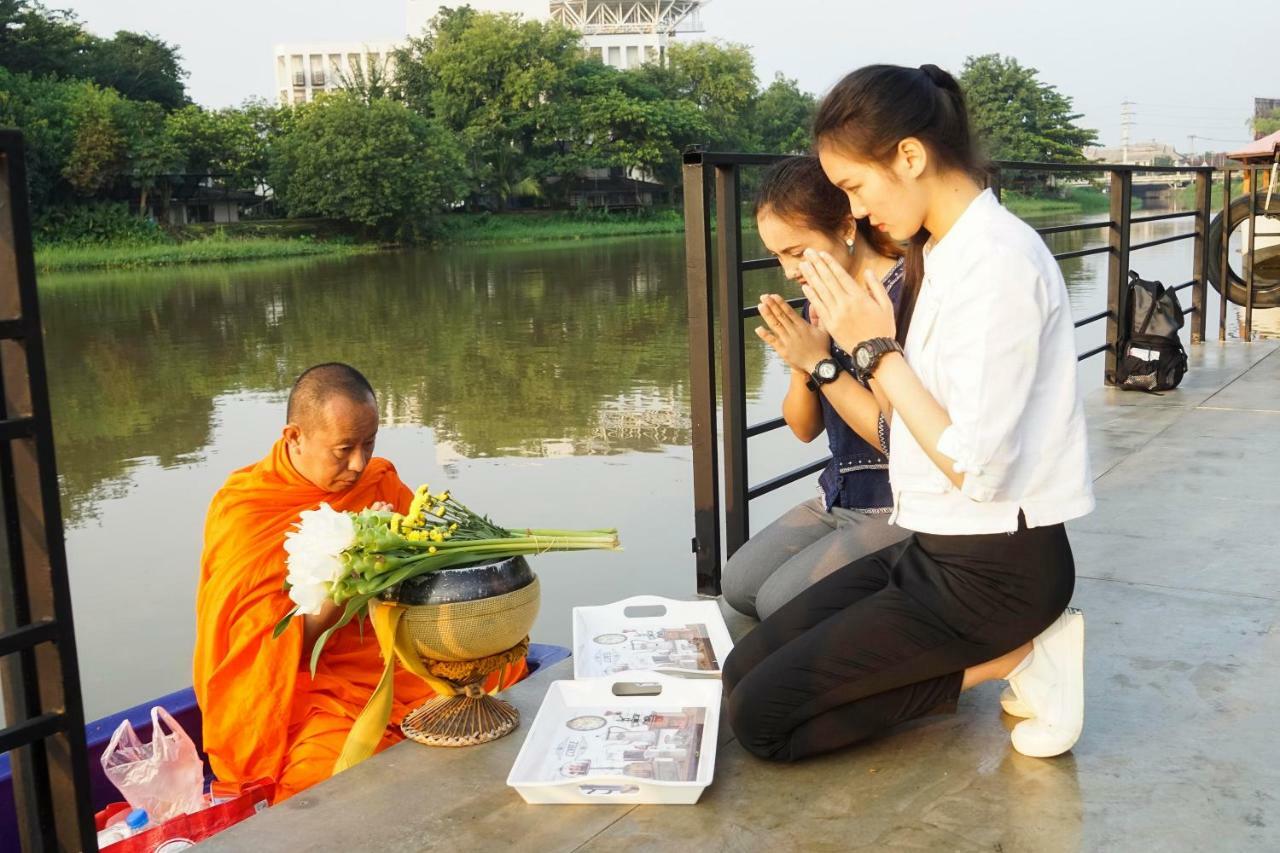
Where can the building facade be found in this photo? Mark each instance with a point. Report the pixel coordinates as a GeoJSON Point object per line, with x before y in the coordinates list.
{"type": "Point", "coordinates": [628, 33]}
{"type": "Point", "coordinates": [306, 70]}
{"type": "Point", "coordinates": [621, 33]}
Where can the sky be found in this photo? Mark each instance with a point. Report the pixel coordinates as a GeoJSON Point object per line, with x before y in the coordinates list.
{"type": "Point", "coordinates": [1100, 52]}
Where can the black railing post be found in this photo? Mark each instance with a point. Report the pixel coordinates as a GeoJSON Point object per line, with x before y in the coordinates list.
{"type": "Point", "coordinates": [702, 385]}
{"type": "Point", "coordinates": [1201, 254]}
{"type": "Point", "coordinates": [1224, 254]}
{"type": "Point", "coordinates": [732, 355]}
{"type": "Point", "coordinates": [39, 672]}
{"type": "Point", "coordinates": [1118, 265]}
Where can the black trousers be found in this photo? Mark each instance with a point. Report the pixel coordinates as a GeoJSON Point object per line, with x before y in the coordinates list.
{"type": "Point", "coordinates": [887, 638]}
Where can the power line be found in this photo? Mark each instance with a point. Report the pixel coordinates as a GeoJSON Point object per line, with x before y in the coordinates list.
{"type": "Point", "coordinates": [1146, 105]}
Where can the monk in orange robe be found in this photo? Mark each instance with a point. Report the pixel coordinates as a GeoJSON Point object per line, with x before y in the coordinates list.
{"type": "Point", "coordinates": [265, 716]}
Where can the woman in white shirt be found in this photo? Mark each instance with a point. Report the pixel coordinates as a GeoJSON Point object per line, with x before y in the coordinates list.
{"type": "Point", "coordinates": [989, 455]}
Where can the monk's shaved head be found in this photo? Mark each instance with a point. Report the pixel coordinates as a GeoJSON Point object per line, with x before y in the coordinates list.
{"type": "Point", "coordinates": [318, 385]}
{"type": "Point", "coordinates": [332, 425]}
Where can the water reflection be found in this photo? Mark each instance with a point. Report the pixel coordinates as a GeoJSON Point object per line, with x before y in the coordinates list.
{"type": "Point", "coordinates": [516, 352]}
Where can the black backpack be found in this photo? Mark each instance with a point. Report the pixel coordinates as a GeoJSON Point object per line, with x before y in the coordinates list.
{"type": "Point", "coordinates": [1151, 356]}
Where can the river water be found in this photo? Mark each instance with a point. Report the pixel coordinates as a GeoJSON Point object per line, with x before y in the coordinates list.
{"type": "Point", "coordinates": [546, 385]}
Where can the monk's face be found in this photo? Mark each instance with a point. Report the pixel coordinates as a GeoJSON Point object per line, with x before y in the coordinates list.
{"type": "Point", "coordinates": [332, 446]}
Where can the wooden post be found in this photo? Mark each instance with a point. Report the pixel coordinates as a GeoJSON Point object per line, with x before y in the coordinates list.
{"type": "Point", "coordinates": [1200, 259]}
{"type": "Point", "coordinates": [702, 385]}
{"type": "Point", "coordinates": [732, 358]}
{"type": "Point", "coordinates": [1118, 266]}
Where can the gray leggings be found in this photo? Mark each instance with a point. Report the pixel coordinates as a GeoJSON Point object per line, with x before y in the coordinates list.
{"type": "Point", "coordinates": [799, 549]}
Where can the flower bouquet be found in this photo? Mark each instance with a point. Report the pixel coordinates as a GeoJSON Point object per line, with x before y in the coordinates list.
{"type": "Point", "coordinates": [351, 558]}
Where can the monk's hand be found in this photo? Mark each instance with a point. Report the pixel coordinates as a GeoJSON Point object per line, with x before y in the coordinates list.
{"type": "Point", "coordinates": [851, 311]}
{"type": "Point", "coordinates": [382, 506]}
{"type": "Point", "coordinates": [799, 343]}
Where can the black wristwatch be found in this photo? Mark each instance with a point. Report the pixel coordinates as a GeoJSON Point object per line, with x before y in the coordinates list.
{"type": "Point", "coordinates": [823, 372]}
{"type": "Point", "coordinates": [867, 355]}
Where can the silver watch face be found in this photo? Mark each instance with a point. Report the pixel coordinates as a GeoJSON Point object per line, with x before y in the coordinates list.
{"type": "Point", "coordinates": [827, 370]}
{"type": "Point", "coordinates": [862, 355]}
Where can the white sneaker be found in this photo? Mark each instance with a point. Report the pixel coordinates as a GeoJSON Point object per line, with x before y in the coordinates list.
{"type": "Point", "coordinates": [1012, 705]}
{"type": "Point", "coordinates": [1051, 689]}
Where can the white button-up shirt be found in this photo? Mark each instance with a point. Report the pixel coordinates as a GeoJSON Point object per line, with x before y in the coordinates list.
{"type": "Point", "coordinates": [993, 340]}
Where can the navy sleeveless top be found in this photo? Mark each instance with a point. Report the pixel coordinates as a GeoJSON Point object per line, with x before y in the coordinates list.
{"type": "Point", "coordinates": [857, 477]}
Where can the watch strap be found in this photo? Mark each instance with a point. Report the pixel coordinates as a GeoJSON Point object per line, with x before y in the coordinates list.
{"type": "Point", "coordinates": [878, 348]}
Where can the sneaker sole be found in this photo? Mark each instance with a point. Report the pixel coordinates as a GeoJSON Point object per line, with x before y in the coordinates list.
{"type": "Point", "coordinates": [1038, 739]}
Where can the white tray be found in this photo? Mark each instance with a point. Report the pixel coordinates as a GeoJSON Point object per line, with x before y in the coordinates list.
{"type": "Point", "coordinates": [589, 745]}
{"type": "Point", "coordinates": [650, 633]}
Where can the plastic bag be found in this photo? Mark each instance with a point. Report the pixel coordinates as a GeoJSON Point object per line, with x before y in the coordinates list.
{"type": "Point", "coordinates": [165, 777]}
{"type": "Point", "coordinates": [181, 832]}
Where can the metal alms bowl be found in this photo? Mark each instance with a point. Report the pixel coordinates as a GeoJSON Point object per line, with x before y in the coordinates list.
{"type": "Point", "coordinates": [469, 613]}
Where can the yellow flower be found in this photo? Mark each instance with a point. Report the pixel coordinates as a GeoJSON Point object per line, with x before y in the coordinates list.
{"type": "Point", "coordinates": [396, 519]}
{"type": "Point", "coordinates": [437, 536]}
{"type": "Point", "coordinates": [431, 550]}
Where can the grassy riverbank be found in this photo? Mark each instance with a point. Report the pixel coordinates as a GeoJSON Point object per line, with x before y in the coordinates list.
{"type": "Point", "coordinates": [532, 227]}
{"type": "Point", "coordinates": [258, 240]}
{"type": "Point", "coordinates": [212, 249]}
{"type": "Point", "coordinates": [1185, 197]}
{"type": "Point", "coordinates": [1076, 200]}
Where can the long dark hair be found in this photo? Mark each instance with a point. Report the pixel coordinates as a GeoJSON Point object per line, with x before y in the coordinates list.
{"type": "Point", "coordinates": [797, 190]}
{"type": "Point", "coordinates": [874, 108]}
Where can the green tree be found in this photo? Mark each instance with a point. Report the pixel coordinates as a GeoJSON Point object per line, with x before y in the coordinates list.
{"type": "Point", "coordinates": [42, 110]}
{"type": "Point", "coordinates": [783, 117]}
{"type": "Point", "coordinates": [41, 42]}
{"type": "Point", "coordinates": [495, 81]}
{"type": "Point", "coordinates": [1019, 116]}
{"type": "Point", "coordinates": [99, 149]}
{"type": "Point", "coordinates": [229, 143]}
{"type": "Point", "coordinates": [612, 118]}
{"type": "Point", "coordinates": [1264, 125]}
{"type": "Point", "coordinates": [377, 165]}
{"type": "Point", "coordinates": [720, 79]}
{"type": "Point", "coordinates": [152, 154]}
{"type": "Point", "coordinates": [140, 67]}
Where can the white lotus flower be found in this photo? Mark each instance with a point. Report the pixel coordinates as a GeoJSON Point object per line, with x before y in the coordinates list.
{"type": "Point", "coordinates": [314, 559]}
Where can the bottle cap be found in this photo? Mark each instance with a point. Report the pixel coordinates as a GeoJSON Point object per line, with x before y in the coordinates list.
{"type": "Point", "coordinates": [137, 818]}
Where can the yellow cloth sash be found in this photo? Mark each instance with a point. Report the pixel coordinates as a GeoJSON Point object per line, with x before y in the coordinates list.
{"type": "Point", "coordinates": [371, 725]}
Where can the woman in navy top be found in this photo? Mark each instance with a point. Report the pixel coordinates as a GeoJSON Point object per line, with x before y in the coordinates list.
{"type": "Point", "coordinates": [798, 208]}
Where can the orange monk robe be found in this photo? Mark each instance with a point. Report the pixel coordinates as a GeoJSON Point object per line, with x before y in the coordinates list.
{"type": "Point", "coordinates": [265, 716]}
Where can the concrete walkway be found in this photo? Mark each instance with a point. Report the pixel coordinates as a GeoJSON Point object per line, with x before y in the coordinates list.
{"type": "Point", "coordinates": [1180, 584]}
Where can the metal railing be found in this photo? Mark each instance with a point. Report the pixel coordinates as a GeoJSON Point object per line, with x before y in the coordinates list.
{"type": "Point", "coordinates": [715, 272]}
{"type": "Point", "coordinates": [39, 675]}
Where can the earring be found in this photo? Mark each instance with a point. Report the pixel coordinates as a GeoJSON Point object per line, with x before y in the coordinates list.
{"type": "Point", "coordinates": [849, 243]}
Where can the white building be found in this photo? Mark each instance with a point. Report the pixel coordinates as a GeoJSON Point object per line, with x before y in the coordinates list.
{"type": "Point", "coordinates": [629, 33]}
{"type": "Point", "coordinates": [621, 33]}
{"type": "Point", "coordinates": [305, 70]}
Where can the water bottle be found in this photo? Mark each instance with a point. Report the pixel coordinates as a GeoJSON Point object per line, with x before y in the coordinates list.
{"type": "Point", "coordinates": [137, 821]}
{"type": "Point", "coordinates": [134, 823]}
